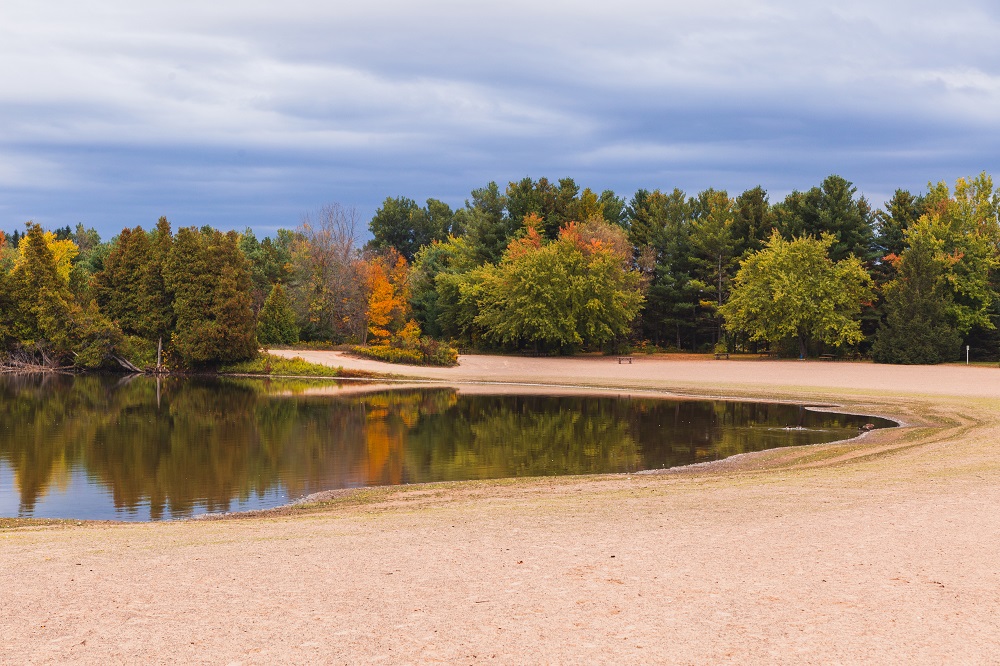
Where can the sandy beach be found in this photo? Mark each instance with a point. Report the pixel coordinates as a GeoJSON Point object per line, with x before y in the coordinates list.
{"type": "Point", "coordinates": [877, 550]}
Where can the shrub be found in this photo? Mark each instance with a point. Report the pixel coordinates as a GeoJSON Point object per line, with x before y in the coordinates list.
{"type": "Point", "coordinates": [422, 351]}
{"type": "Point", "coordinates": [390, 354]}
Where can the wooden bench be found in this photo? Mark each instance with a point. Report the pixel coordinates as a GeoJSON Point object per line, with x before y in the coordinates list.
{"type": "Point", "coordinates": [622, 359]}
{"type": "Point", "coordinates": [767, 354]}
{"type": "Point", "coordinates": [719, 355]}
{"type": "Point", "coordinates": [827, 357]}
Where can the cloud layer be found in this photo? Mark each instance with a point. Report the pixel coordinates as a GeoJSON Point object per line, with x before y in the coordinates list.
{"type": "Point", "coordinates": [252, 113]}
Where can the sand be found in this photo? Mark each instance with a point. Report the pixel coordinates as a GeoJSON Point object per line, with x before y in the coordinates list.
{"type": "Point", "coordinates": [878, 550]}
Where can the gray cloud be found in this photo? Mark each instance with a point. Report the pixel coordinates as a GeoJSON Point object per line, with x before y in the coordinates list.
{"type": "Point", "coordinates": [237, 113]}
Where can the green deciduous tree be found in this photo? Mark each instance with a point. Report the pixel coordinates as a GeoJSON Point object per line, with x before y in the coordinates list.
{"type": "Point", "coordinates": [89, 260]}
{"type": "Point", "coordinates": [402, 225]}
{"type": "Point", "coordinates": [571, 292]}
{"type": "Point", "coordinates": [433, 291]}
{"type": "Point", "coordinates": [793, 289]}
{"type": "Point", "coordinates": [269, 263]}
{"type": "Point", "coordinates": [613, 208]}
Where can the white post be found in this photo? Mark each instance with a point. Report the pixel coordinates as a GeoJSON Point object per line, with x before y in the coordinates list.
{"type": "Point", "coordinates": [967, 354]}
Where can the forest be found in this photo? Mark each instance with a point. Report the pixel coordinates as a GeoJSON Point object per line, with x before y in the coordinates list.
{"type": "Point", "coordinates": [539, 266]}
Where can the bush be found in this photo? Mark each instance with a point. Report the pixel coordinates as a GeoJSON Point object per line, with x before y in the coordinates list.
{"type": "Point", "coordinates": [438, 353]}
{"type": "Point", "coordinates": [422, 351]}
{"type": "Point", "coordinates": [390, 354]}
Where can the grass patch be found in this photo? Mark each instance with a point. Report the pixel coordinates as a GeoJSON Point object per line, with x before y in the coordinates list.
{"type": "Point", "coordinates": [269, 365]}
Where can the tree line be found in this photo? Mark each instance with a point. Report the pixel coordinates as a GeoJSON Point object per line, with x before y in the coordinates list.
{"type": "Point", "coordinates": [538, 265]}
{"type": "Point", "coordinates": [820, 271]}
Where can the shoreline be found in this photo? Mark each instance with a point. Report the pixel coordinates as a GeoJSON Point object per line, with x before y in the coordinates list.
{"type": "Point", "coordinates": [877, 549]}
{"type": "Point", "coordinates": [374, 384]}
{"type": "Point", "coordinates": [324, 496]}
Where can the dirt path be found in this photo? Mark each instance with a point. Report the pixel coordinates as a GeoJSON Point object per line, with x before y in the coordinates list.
{"type": "Point", "coordinates": [880, 550]}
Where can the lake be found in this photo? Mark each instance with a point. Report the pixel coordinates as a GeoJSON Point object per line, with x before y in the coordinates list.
{"type": "Point", "coordinates": [139, 448]}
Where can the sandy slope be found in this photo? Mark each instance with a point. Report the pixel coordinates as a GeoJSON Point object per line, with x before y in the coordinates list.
{"type": "Point", "coordinates": [880, 550]}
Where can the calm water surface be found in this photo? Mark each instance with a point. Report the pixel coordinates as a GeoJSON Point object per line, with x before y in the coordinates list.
{"type": "Point", "coordinates": [137, 449]}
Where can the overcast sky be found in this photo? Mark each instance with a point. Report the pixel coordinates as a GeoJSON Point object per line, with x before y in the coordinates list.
{"type": "Point", "coordinates": [249, 113]}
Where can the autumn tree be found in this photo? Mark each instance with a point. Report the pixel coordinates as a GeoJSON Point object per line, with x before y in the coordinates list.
{"type": "Point", "coordinates": [327, 279]}
{"type": "Point", "coordinates": [389, 296]}
{"type": "Point", "coordinates": [41, 313]}
{"type": "Point", "coordinates": [967, 224]}
{"type": "Point", "coordinates": [555, 204]}
{"type": "Point", "coordinates": [977, 209]}
{"type": "Point", "coordinates": [5, 305]}
{"type": "Point", "coordinates": [42, 317]}
{"type": "Point", "coordinates": [793, 289]}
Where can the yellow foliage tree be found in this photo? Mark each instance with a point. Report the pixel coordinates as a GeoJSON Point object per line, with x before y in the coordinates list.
{"type": "Point", "coordinates": [380, 301]}
{"type": "Point", "coordinates": [63, 251]}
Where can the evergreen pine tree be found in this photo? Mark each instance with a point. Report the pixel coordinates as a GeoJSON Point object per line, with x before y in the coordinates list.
{"type": "Point", "coordinates": [277, 319]}
{"type": "Point", "coordinates": [210, 280]}
{"type": "Point", "coordinates": [119, 287]}
{"type": "Point", "coordinates": [917, 330]}
{"type": "Point", "coordinates": [40, 299]}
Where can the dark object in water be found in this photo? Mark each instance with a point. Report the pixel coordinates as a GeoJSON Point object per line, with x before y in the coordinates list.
{"type": "Point", "coordinates": [866, 427]}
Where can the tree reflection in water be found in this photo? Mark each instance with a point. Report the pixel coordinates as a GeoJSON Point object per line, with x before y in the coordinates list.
{"type": "Point", "coordinates": [179, 446]}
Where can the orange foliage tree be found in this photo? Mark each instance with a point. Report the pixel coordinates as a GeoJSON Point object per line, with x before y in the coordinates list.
{"type": "Point", "coordinates": [389, 295]}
